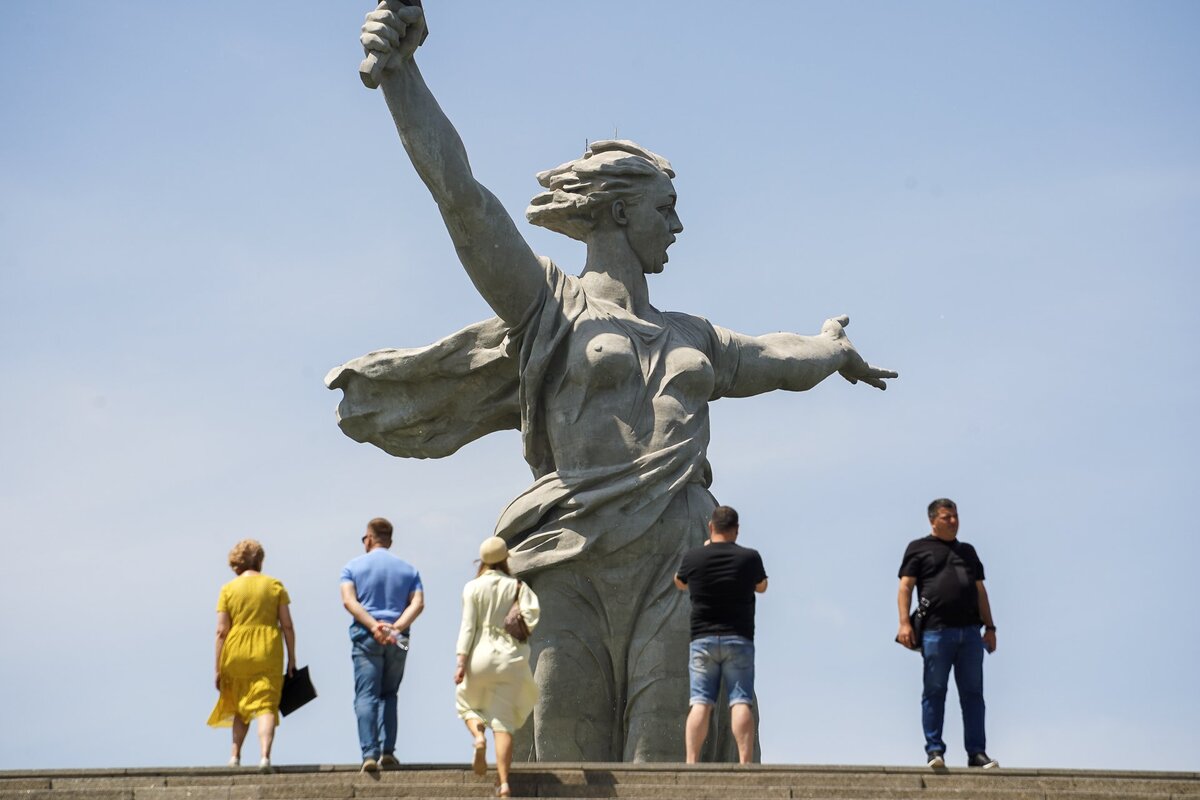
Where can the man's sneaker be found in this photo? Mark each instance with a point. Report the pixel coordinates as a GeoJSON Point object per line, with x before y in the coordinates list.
{"type": "Point", "coordinates": [388, 761]}
{"type": "Point", "coordinates": [982, 761]}
{"type": "Point", "coordinates": [369, 765]}
{"type": "Point", "coordinates": [936, 760]}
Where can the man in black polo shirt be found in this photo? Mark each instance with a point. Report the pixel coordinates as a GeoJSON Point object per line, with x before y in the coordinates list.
{"type": "Point", "coordinates": [948, 576]}
{"type": "Point", "coordinates": [721, 578]}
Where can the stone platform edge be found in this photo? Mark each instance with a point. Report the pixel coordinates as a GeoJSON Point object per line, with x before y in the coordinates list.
{"type": "Point", "coordinates": [615, 767]}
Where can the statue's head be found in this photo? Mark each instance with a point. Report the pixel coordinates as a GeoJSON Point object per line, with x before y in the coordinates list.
{"type": "Point", "coordinates": [576, 192]}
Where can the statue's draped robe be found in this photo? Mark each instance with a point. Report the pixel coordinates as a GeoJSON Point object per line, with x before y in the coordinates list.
{"type": "Point", "coordinates": [428, 402]}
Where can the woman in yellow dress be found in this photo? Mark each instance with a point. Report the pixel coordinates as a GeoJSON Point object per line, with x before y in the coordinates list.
{"type": "Point", "coordinates": [251, 611]}
{"type": "Point", "coordinates": [495, 683]}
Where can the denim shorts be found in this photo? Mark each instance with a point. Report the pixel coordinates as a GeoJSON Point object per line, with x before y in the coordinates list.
{"type": "Point", "coordinates": [712, 659]}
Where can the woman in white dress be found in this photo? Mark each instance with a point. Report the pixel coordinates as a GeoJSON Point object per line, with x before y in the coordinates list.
{"type": "Point", "coordinates": [495, 683]}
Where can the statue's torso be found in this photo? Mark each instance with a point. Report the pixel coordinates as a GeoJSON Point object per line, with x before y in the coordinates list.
{"type": "Point", "coordinates": [622, 387]}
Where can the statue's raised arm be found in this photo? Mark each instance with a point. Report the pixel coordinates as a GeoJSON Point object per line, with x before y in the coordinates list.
{"type": "Point", "coordinates": [495, 255]}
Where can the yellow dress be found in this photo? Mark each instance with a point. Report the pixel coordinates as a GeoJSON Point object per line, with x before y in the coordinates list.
{"type": "Point", "coordinates": [252, 659]}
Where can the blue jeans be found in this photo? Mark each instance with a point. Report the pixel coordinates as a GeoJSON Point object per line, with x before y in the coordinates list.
{"type": "Point", "coordinates": [961, 648]}
{"type": "Point", "coordinates": [713, 658]}
{"type": "Point", "coordinates": [377, 672]}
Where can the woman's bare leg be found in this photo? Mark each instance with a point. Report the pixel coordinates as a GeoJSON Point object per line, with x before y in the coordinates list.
{"type": "Point", "coordinates": [240, 729]}
{"type": "Point", "coordinates": [504, 754]}
{"type": "Point", "coordinates": [266, 733]}
{"type": "Point", "coordinates": [476, 727]}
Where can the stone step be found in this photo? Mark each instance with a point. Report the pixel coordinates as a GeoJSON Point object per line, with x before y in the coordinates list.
{"type": "Point", "coordinates": [629, 781]}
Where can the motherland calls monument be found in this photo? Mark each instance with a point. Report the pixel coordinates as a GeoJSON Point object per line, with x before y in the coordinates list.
{"type": "Point", "coordinates": [611, 397]}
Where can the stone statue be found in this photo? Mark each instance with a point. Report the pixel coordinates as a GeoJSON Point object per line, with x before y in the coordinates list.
{"type": "Point", "coordinates": [611, 397]}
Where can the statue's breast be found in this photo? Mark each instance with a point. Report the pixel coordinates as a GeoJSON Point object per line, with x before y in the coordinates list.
{"type": "Point", "coordinates": [688, 377]}
{"type": "Point", "coordinates": [609, 359]}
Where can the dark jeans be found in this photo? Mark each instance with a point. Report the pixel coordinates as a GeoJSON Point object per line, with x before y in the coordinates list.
{"type": "Point", "coordinates": [962, 649]}
{"type": "Point", "coordinates": [377, 672]}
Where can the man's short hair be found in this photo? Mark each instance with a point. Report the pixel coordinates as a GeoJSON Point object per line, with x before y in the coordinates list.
{"type": "Point", "coordinates": [381, 529]}
{"type": "Point", "coordinates": [724, 519]}
{"type": "Point", "coordinates": [940, 503]}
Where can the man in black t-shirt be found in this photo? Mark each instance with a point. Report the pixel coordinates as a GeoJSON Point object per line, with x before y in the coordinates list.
{"type": "Point", "coordinates": [948, 576]}
{"type": "Point", "coordinates": [722, 578]}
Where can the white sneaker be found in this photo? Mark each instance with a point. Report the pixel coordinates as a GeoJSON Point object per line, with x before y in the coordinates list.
{"type": "Point", "coordinates": [265, 767]}
{"type": "Point", "coordinates": [234, 761]}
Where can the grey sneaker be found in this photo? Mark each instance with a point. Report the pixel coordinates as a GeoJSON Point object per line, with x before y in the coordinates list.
{"type": "Point", "coordinates": [982, 761]}
{"type": "Point", "coordinates": [388, 761]}
{"type": "Point", "coordinates": [935, 759]}
{"type": "Point", "coordinates": [369, 765]}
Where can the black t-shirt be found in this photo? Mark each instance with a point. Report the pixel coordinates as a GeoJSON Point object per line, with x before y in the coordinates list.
{"type": "Point", "coordinates": [953, 598]}
{"type": "Point", "coordinates": [721, 578]}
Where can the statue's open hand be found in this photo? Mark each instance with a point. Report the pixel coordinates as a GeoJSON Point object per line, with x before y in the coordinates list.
{"type": "Point", "coordinates": [854, 368]}
{"type": "Point", "coordinates": [393, 32]}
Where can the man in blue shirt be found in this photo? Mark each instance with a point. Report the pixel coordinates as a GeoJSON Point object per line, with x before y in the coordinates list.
{"type": "Point", "coordinates": [383, 593]}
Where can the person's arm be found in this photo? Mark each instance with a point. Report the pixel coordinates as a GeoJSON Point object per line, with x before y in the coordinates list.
{"type": "Point", "coordinates": [797, 363]}
{"type": "Point", "coordinates": [495, 255]}
{"type": "Point", "coordinates": [904, 606]}
{"type": "Point", "coordinates": [223, 626]}
{"type": "Point", "coordinates": [761, 586]}
{"type": "Point", "coordinates": [361, 615]}
{"type": "Point", "coordinates": [416, 604]}
{"type": "Point", "coordinates": [531, 608]}
{"type": "Point", "coordinates": [289, 636]}
{"type": "Point", "coordinates": [466, 636]}
{"type": "Point", "coordinates": [985, 613]}
{"type": "Point", "coordinates": [680, 585]}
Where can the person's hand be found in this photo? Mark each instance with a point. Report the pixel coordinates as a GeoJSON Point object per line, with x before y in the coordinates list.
{"type": "Point", "coordinates": [460, 672]}
{"type": "Point", "coordinates": [382, 632]}
{"type": "Point", "coordinates": [218, 681]}
{"type": "Point", "coordinates": [989, 641]}
{"type": "Point", "coordinates": [854, 368]}
{"type": "Point", "coordinates": [393, 32]}
{"type": "Point", "coordinates": [906, 636]}
{"type": "Point", "coordinates": [291, 670]}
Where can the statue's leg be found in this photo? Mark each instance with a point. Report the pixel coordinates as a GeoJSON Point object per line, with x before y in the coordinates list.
{"type": "Point", "coordinates": [575, 717]}
{"type": "Point", "coordinates": [657, 662]}
{"type": "Point", "coordinates": [657, 667]}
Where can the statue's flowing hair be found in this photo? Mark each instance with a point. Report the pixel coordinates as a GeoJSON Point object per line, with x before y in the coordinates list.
{"type": "Point", "coordinates": [609, 170]}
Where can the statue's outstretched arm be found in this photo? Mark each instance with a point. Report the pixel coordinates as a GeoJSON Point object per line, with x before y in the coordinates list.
{"type": "Point", "coordinates": [797, 363]}
{"type": "Point", "coordinates": [495, 255]}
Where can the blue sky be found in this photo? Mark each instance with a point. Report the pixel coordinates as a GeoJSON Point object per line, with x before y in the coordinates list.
{"type": "Point", "coordinates": [201, 213]}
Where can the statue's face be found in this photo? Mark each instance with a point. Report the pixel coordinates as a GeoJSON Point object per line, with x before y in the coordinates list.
{"type": "Point", "coordinates": [651, 223]}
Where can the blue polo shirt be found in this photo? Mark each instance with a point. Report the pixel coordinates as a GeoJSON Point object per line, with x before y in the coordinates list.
{"type": "Point", "coordinates": [382, 583]}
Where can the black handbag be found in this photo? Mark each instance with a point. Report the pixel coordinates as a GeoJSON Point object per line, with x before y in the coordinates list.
{"type": "Point", "coordinates": [917, 620]}
{"type": "Point", "coordinates": [297, 690]}
{"type": "Point", "coordinates": [514, 623]}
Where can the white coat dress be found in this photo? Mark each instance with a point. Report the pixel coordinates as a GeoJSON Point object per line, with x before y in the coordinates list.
{"type": "Point", "coordinates": [498, 688]}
